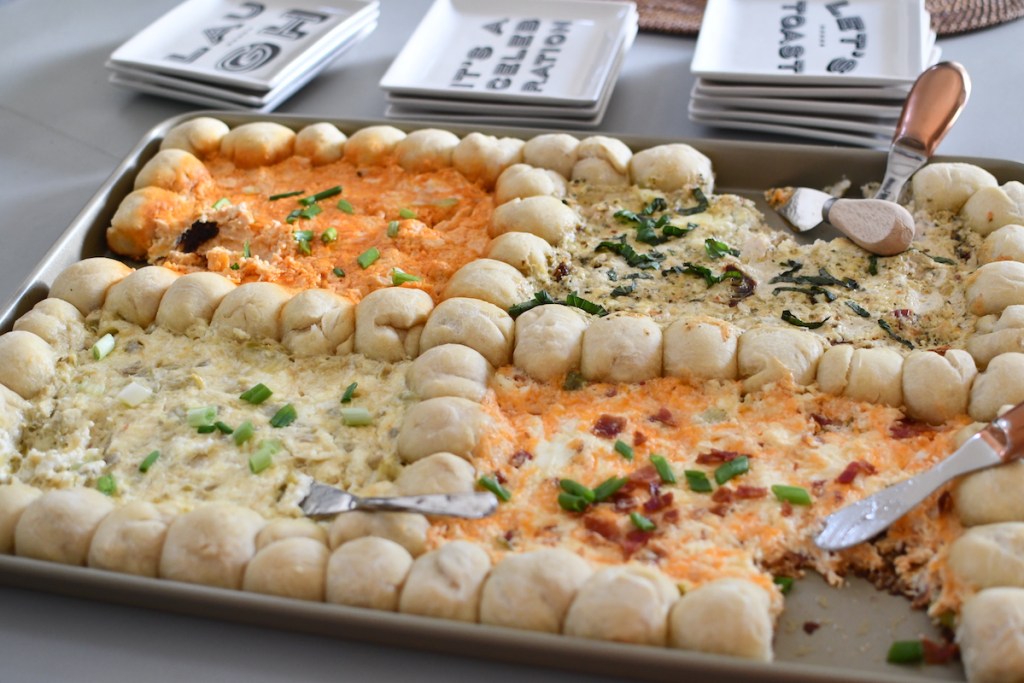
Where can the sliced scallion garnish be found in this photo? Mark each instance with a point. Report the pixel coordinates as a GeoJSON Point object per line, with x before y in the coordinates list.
{"type": "Point", "coordinates": [256, 394]}
{"type": "Point", "coordinates": [246, 251]}
{"type": "Point", "coordinates": [641, 522]}
{"type": "Point", "coordinates": [103, 346]}
{"type": "Point", "coordinates": [222, 428]}
{"type": "Point", "coordinates": [406, 213]}
{"type": "Point", "coordinates": [492, 485]}
{"type": "Point", "coordinates": [284, 416]}
{"type": "Point", "coordinates": [263, 456]}
{"type": "Point", "coordinates": [221, 203]}
{"type": "Point", "coordinates": [350, 391]}
{"type": "Point", "coordinates": [329, 235]}
{"type": "Point", "coordinates": [338, 272]}
{"type": "Point", "coordinates": [572, 503]}
{"type": "Point", "coordinates": [201, 416]}
{"type": "Point", "coordinates": [663, 468]}
{"type": "Point", "coordinates": [134, 394]}
{"type": "Point", "coordinates": [697, 481]}
{"type": "Point", "coordinates": [107, 485]}
{"type": "Point", "coordinates": [905, 652]}
{"type": "Point", "coordinates": [785, 583]}
{"type": "Point", "coordinates": [368, 257]}
{"type": "Point", "coordinates": [797, 495]}
{"type": "Point", "coordinates": [346, 206]}
{"type": "Point", "coordinates": [393, 228]}
{"type": "Point", "coordinates": [732, 468]}
{"type": "Point", "coordinates": [400, 277]}
{"type": "Point", "coordinates": [608, 488]}
{"type": "Point", "coordinates": [322, 194]}
{"type": "Point", "coordinates": [577, 489]}
{"type": "Point", "coordinates": [311, 211]}
{"type": "Point", "coordinates": [624, 449]}
{"type": "Point", "coordinates": [303, 239]}
{"type": "Point", "coordinates": [356, 417]}
{"type": "Point", "coordinates": [243, 433]}
{"type": "Point", "coordinates": [149, 461]}
{"type": "Point", "coordinates": [206, 429]}
{"type": "Point", "coordinates": [284, 195]}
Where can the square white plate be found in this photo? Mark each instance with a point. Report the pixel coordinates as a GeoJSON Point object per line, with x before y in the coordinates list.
{"type": "Point", "coordinates": [850, 125]}
{"type": "Point", "coordinates": [821, 42]}
{"type": "Point", "coordinates": [855, 139]}
{"type": "Point", "coordinates": [540, 51]}
{"type": "Point", "coordinates": [716, 89]}
{"type": "Point", "coordinates": [840, 108]}
{"type": "Point", "coordinates": [255, 46]}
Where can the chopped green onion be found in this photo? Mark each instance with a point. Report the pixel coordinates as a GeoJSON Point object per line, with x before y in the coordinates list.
{"type": "Point", "coordinates": [293, 216]}
{"type": "Point", "coordinates": [311, 211]}
{"type": "Point", "coordinates": [285, 415]}
{"type": "Point", "coordinates": [663, 468]}
{"type": "Point", "coordinates": [732, 468]}
{"type": "Point", "coordinates": [202, 416]}
{"type": "Point", "coordinates": [797, 495]}
{"type": "Point", "coordinates": [350, 391]}
{"type": "Point", "coordinates": [346, 206]}
{"type": "Point", "coordinates": [103, 346]}
{"type": "Point", "coordinates": [246, 251]}
{"type": "Point", "coordinates": [492, 485]}
{"type": "Point", "coordinates": [329, 235]}
{"type": "Point", "coordinates": [356, 417]}
{"type": "Point", "coordinates": [338, 272]}
{"type": "Point", "coordinates": [857, 309]}
{"type": "Point", "coordinates": [256, 394]}
{"type": "Point", "coordinates": [235, 266]}
{"type": "Point", "coordinates": [285, 195]}
{"type": "Point", "coordinates": [787, 316]}
{"type": "Point", "coordinates": [641, 522]}
{"type": "Point", "coordinates": [571, 503]}
{"type": "Point", "coordinates": [148, 461]}
{"type": "Point", "coordinates": [447, 201]}
{"type": "Point", "coordinates": [608, 488]}
{"type": "Point", "coordinates": [243, 433]}
{"type": "Point", "coordinates": [400, 277]}
{"type": "Point", "coordinates": [368, 257]}
{"type": "Point", "coordinates": [577, 489]}
{"type": "Point", "coordinates": [221, 203]}
{"type": "Point", "coordinates": [406, 213]}
{"type": "Point", "coordinates": [785, 583]}
{"type": "Point", "coordinates": [697, 481]}
{"type": "Point", "coordinates": [206, 429]}
{"type": "Point", "coordinates": [905, 652]}
{"type": "Point", "coordinates": [107, 485]}
{"type": "Point", "coordinates": [222, 428]}
{"type": "Point", "coordinates": [322, 194]}
{"type": "Point", "coordinates": [303, 237]}
{"type": "Point", "coordinates": [263, 456]}
{"type": "Point", "coordinates": [133, 394]}
{"type": "Point", "coordinates": [624, 449]}
{"type": "Point", "coordinates": [393, 229]}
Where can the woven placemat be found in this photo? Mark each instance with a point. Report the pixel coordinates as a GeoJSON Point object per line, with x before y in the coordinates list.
{"type": "Point", "coordinates": [948, 16]}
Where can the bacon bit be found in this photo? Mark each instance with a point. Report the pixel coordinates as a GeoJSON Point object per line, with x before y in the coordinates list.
{"type": "Point", "coordinates": [787, 508]}
{"type": "Point", "coordinates": [639, 438]}
{"type": "Point", "coordinates": [635, 540]}
{"type": "Point", "coordinates": [664, 416]}
{"type": "Point", "coordinates": [721, 509]}
{"type": "Point", "coordinates": [945, 502]}
{"type": "Point", "coordinates": [811, 626]}
{"type": "Point", "coordinates": [941, 350]}
{"type": "Point", "coordinates": [500, 478]}
{"type": "Point", "coordinates": [744, 492]}
{"type": "Point", "coordinates": [671, 515]}
{"type": "Point", "coordinates": [722, 494]}
{"type": "Point", "coordinates": [645, 475]}
{"type": "Point", "coordinates": [939, 653]}
{"type": "Point", "coordinates": [560, 271]}
{"type": "Point", "coordinates": [908, 428]}
{"type": "Point", "coordinates": [658, 501]}
{"type": "Point", "coordinates": [611, 392]}
{"type": "Point", "coordinates": [853, 469]}
{"type": "Point", "coordinates": [623, 503]}
{"type": "Point", "coordinates": [821, 420]}
{"type": "Point", "coordinates": [818, 486]}
{"type": "Point", "coordinates": [716, 457]}
{"type": "Point", "coordinates": [903, 313]}
{"type": "Point", "coordinates": [520, 457]}
{"type": "Point", "coordinates": [602, 526]}
{"type": "Point", "coordinates": [608, 426]}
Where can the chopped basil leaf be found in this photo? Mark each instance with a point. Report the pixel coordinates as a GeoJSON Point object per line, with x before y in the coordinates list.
{"type": "Point", "coordinates": [873, 265]}
{"type": "Point", "coordinates": [856, 308]}
{"type": "Point", "coordinates": [702, 204]}
{"type": "Point", "coordinates": [542, 298]}
{"type": "Point", "coordinates": [624, 290]}
{"type": "Point", "coordinates": [940, 259]}
{"type": "Point", "coordinates": [635, 260]}
{"type": "Point", "coordinates": [892, 334]}
{"type": "Point", "coordinates": [704, 272]}
{"type": "Point", "coordinates": [812, 292]}
{"type": "Point", "coordinates": [717, 249]}
{"type": "Point", "coordinates": [284, 195]}
{"type": "Point", "coordinates": [823, 278]}
{"type": "Point", "coordinates": [492, 485]}
{"type": "Point", "coordinates": [285, 415]}
{"type": "Point", "coordinates": [788, 317]}
{"type": "Point", "coordinates": [584, 305]}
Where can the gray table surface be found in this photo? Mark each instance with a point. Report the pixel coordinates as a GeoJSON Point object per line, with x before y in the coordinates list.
{"type": "Point", "coordinates": [63, 129]}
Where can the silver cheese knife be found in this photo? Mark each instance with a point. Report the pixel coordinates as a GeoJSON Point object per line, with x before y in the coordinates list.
{"type": "Point", "coordinates": [324, 501]}
{"type": "Point", "coordinates": [1000, 442]}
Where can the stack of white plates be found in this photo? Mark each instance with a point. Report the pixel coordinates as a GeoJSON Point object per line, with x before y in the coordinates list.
{"type": "Point", "coordinates": [234, 54]}
{"type": "Point", "coordinates": [545, 62]}
{"type": "Point", "coordinates": [832, 70]}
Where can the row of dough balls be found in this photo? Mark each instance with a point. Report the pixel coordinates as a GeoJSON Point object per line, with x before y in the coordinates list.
{"type": "Point", "coordinates": [972, 193]}
{"type": "Point", "coordinates": [550, 590]}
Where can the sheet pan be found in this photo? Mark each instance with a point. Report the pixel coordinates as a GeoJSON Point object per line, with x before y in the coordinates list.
{"type": "Point", "coordinates": [826, 635]}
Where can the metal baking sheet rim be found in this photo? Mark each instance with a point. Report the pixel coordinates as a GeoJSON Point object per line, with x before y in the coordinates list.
{"type": "Point", "coordinates": [737, 170]}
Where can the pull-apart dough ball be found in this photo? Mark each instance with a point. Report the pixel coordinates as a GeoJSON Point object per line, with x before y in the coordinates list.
{"type": "Point", "coordinates": [437, 473]}
{"type": "Point", "coordinates": [14, 498]}
{"type": "Point", "coordinates": [991, 496]}
{"type": "Point", "coordinates": [429, 149]}
{"type": "Point", "coordinates": [407, 529]}
{"type": "Point", "coordinates": [491, 281]}
{"type": "Point", "coordinates": [533, 590]}
{"type": "Point", "coordinates": [446, 423]}
{"type": "Point", "coordinates": [1002, 383]}
{"type": "Point", "coordinates": [188, 304]}
{"type": "Point", "coordinates": [549, 341]}
{"type": "Point", "coordinates": [200, 136]}
{"type": "Point", "coordinates": [59, 525]}
{"type": "Point", "coordinates": [726, 616]}
{"type": "Point", "coordinates": [701, 348]}
{"type": "Point", "coordinates": [545, 217]}
{"type": "Point", "coordinates": [450, 370]}
{"type": "Point", "coordinates": [148, 222]}
{"type": "Point", "coordinates": [947, 186]}
{"type": "Point", "coordinates": [261, 143]}
{"type": "Point", "coordinates": [368, 572]}
{"type": "Point", "coordinates": [626, 603]}
{"type": "Point", "coordinates": [318, 322]}
{"type": "Point", "coordinates": [85, 283]}
{"type": "Point", "coordinates": [1004, 244]}
{"type": "Point", "coordinates": [370, 146]}
{"type": "Point", "coordinates": [672, 167]}
{"type": "Point", "coordinates": [130, 539]}
{"type": "Point", "coordinates": [291, 568]}
{"type": "Point", "coordinates": [876, 375]}
{"type": "Point", "coordinates": [321, 143]}
{"type": "Point", "coordinates": [553, 151]}
{"type": "Point", "coordinates": [834, 369]}
{"type": "Point", "coordinates": [27, 363]}
{"type": "Point", "coordinates": [56, 322]}
{"type": "Point", "coordinates": [990, 208]}
{"type": "Point", "coordinates": [389, 323]}
{"type": "Point", "coordinates": [990, 555]}
{"type": "Point", "coordinates": [175, 170]}
{"type": "Point", "coordinates": [997, 334]}
{"type": "Point", "coordinates": [523, 180]}
{"type": "Point", "coordinates": [252, 311]}
{"type": "Point", "coordinates": [621, 348]}
{"type": "Point", "coordinates": [299, 527]}
{"type": "Point", "coordinates": [137, 297]}
{"type": "Point", "coordinates": [481, 158]}
{"type": "Point", "coordinates": [991, 636]}
{"type": "Point", "coordinates": [477, 324]}
{"type": "Point", "coordinates": [446, 583]}
{"type": "Point", "coordinates": [936, 387]}
{"type": "Point", "coordinates": [602, 160]}
{"type": "Point", "coordinates": [994, 286]}
{"type": "Point", "coordinates": [525, 252]}
{"type": "Point", "coordinates": [768, 354]}
{"type": "Point", "coordinates": [211, 545]}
